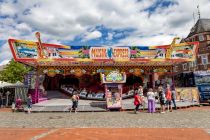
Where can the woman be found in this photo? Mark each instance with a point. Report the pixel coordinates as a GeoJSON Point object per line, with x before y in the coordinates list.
{"type": "Point", "coordinates": [151, 101]}
{"type": "Point", "coordinates": [75, 100]}
{"type": "Point", "coordinates": [161, 99]}
{"type": "Point", "coordinates": [137, 101]}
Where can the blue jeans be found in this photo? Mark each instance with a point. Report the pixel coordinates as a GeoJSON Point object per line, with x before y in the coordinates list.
{"type": "Point", "coordinates": [174, 102]}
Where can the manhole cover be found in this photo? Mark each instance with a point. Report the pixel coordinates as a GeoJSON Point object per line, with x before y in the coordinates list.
{"type": "Point", "coordinates": [55, 117]}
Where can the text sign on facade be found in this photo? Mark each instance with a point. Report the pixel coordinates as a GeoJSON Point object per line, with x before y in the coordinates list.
{"type": "Point", "coordinates": [120, 53]}
{"type": "Point", "coordinates": [99, 53]}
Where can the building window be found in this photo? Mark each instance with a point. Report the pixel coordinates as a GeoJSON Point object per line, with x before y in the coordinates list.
{"type": "Point", "coordinates": [201, 38]}
{"type": "Point", "coordinates": [208, 47]}
{"type": "Point", "coordinates": [208, 37]}
{"type": "Point", "coordinates": [184, 66]}
{"type": "Point", "coordinates": [204, 59]}
{"type": "Point", "coordinates": [191, 65]}
{"type": "Point", "coordinates": [195, 63]}
{"type": "Point", "coordinates": [54, 54]}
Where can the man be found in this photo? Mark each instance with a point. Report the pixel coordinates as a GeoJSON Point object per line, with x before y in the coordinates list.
{"type": "Point", "coordinates": [162, 99]}
{"type": "Point", "coordinates": [173, 92]}
{"type": "Point", "coordinates": [168, 98]}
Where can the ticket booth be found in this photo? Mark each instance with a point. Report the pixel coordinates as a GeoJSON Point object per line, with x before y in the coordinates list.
{"type": "Point", "coordinates": [113, 89]}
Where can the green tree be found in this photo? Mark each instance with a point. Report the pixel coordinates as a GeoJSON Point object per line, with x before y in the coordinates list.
{"type": "Point", "coordinates": [14, 72]}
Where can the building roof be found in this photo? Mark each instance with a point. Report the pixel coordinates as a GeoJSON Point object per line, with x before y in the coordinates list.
{"type": "Point", "coordinates": [202, 25]}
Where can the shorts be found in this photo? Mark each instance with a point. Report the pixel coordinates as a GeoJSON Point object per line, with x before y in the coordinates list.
{"type": "Point", "coordinates": [29, 106]}
{"type": "Point", "coordinates": [162, 102]}
{"type": "Point", "coordinates": [168, 102]}
{"type": "Point", "coordinates": [75, 104]}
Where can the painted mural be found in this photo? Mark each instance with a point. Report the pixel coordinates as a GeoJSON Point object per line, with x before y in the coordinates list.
{"type": "Point", "coordinates": [28, 50]}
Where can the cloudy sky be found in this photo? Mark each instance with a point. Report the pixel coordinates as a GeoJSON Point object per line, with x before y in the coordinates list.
{"type": "Point", "coordinates": [101, 22]}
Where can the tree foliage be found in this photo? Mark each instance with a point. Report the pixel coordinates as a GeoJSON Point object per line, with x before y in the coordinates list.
{"type": "Point", "coordinates": [14, 72]}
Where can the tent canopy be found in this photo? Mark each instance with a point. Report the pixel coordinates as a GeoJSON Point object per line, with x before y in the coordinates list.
{"type": "Point", "coordinates": [6, 84]}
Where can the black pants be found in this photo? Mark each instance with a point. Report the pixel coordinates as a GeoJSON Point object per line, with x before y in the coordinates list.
{"type": "Point", "coordinates": [174, 102]}
{"type": "Point", "coordinates": [137, 107]}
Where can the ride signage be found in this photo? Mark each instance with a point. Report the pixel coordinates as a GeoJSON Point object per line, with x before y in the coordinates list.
{"type": "Point", "coordinates": [99, 53]}
{"type": "Point", "coordinates": [109, 53]}
{"type": "Point", "coordinates": [121, 53]}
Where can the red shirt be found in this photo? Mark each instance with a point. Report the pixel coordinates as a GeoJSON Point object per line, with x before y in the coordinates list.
{"type": "Point", "coordinates": [168, 94]}
{"type": "Point", "coordinates": [136, 99]}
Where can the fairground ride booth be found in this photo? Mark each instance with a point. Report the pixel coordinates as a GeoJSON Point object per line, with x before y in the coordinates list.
{"type": "Point", "coordinates": [82, 66]}
{"type": "Point", "coordinates": [114, 88]}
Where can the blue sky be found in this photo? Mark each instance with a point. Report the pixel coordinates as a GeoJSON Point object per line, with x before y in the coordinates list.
{"type": "Point", "coordinates": [97, 23]}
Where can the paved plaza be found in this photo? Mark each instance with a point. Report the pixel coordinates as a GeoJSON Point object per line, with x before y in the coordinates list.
{"type": "Point", "coordinates": [183, 124]}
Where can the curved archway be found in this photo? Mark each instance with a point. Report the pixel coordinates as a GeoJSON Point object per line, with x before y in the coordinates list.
{"type": "Point", "coordinates": [69, 80]}
{"type": "Point", "coordinates": [132, 80]}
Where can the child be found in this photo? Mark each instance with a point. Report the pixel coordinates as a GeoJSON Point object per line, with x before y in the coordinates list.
{"type": "Point", "coordinates": [29, 103]}
{"type": "Point", "coordinates": [13, 106]}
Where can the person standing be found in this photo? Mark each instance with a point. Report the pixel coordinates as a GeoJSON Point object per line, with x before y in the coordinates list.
{"type": "Point", "coordinates": [151, 101]}
{"type": "Point", "coordinates": [168, 98]}
{"type": "Point", "coordinates": [140, 91]}
{"type": "Point", "coordinates": [75, 100]}
{"type": "Point", "coordinates": [29, 103]}
{"type": "Point", "coordinates": [162, 99]}
{"type": "Point", "coordinates": [137, 101]}
{"type": "Point", "coordinates": [173, 96]}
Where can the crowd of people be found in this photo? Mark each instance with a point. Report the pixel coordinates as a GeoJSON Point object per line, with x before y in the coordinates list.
{"type": "Point", "coordinates": [164, 96]}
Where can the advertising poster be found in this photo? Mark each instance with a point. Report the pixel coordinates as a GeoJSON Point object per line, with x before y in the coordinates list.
{"type": "Point", "coordinates": [202, 80]}
{"type": "Point", "coordinates": [187, 94]}
{"type": "Point", "coordinates": [113, 100]}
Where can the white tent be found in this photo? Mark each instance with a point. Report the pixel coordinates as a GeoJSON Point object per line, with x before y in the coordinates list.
{"type": "Point", "coordinates": [21, 90]}
{"type": "Point", "coordinates": [5, 84]}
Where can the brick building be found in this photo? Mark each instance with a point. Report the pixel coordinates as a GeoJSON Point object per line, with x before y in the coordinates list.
{"type": "Point", "coordinates": [184, 72]}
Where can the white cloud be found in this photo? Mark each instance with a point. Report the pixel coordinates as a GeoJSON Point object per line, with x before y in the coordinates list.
{"type": "Point", "coordinates": [92, 35]}
{"type": "Point", "coordinates": [63, 21]}
{"type": "Point", "coordinates": [23, 28]}
{"type": "Point", "coordinates": [150, 41]}
{"type": "Point", "coordinates": [5, 53]}
{"type": "Point", "coordinates": [110, 36]}
{"type": "Point", "coordinates": [4, 62]}
{"type": "Point", "coordinates": [7, 9]}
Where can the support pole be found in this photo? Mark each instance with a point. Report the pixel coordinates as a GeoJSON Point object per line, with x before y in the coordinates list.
{"type": "Point", "coordinates": [37, 87]}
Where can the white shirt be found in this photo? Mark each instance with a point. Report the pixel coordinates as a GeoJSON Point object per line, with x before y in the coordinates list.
{"type": "Point", "coordinates": [151, 95]}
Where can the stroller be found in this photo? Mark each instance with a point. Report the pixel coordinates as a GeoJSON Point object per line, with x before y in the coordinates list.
{"type": "Point", "coordinates": [18, 105]}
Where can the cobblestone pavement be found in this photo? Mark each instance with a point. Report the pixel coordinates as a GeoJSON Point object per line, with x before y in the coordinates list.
{"type": "Point", "coordinates": [194, 118]}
